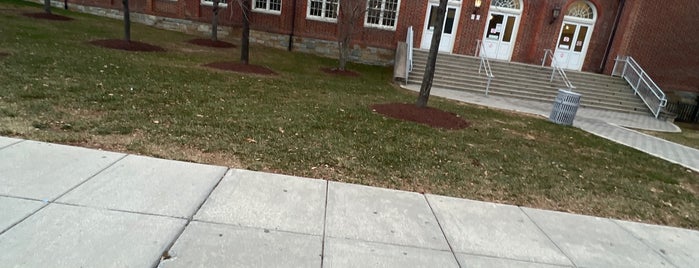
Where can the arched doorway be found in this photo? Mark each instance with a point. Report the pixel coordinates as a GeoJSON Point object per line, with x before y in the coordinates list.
{"type": "Point", "coordinates": [574, 38]}
{"type": "Point", "coordinates": [451, 22]}
{"type": "Point", "coordinates": [501, 28]}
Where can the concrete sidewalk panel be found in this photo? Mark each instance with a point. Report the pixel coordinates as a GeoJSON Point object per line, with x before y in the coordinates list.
{"type": "Point", "coordinates": [40, 170]}
{"type": "Point", "coordinates": [216, 245]}
{"type": "Point", "coordinates": [12, 210]}
{"type": "Point", "coordinates": [263, 200]}
{"type": "Point", "coordinates": [149, 185]}
{"type": "Point", "coordinates": [340, 252]}
{"type": "Point", "coordinates": [475, 261]}
{"type": "Point", "coordinates": [5, 141]}
{"type": "Point", "coordinates": [595, 242]}
{"type": "Point", "coordinates": [382, 215]}
{"type": "Point", "coordinates": [69, 236]}
{"type": "Point", "coordinates": [493, 230]}
{"type": "Point", "coordinates": [680, 246]}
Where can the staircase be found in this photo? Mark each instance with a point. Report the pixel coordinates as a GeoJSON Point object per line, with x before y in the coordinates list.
{"type": "Point", "coordinates": [528, 82]}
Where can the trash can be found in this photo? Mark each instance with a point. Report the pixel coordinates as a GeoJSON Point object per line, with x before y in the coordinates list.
{"type": "Point", "coordinates": [565, 107]}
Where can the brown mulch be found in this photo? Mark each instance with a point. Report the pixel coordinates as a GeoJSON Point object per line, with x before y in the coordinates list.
{"type": "Point", "coordinates": [4, 54]}
{"type": "Point", "coordinates": [335, 71]}
{"type": "Point", "coordinates": [428, 116]}
{"type": "Point", "coordinates": [124, 45]}
{"type": "Point", "coordinates": [240, 68]}
{"type": "Point", "coordinates": [208, 43]}
{"type": "Point", "coordinates": [46, 16]}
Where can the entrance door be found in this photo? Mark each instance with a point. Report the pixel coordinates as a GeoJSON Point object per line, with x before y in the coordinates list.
{"type": "Point", "coordinates": [451, 20]}
{"type": "Point", "coordinates": [499, 36]}
{"type": "Point", "coordinates": [572, 45]}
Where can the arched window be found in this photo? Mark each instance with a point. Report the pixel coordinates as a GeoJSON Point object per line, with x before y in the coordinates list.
{"type": "Point", "coordinates": [581, 9]}
{"type": "Point", "coordinates": [513, 4]}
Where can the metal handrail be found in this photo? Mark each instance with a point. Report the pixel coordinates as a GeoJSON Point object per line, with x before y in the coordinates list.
{"type": "Point", "coordinates": [556, 68]}
{"type": "Point", "coordinates": [484, 65]}
{"type": "Point", "coordinates": [642, 84]}
{"type": "Point", "coordinates": [409, 54]}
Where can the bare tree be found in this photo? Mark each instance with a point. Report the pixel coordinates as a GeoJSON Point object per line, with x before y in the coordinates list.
{"type": "Point", "coordinates": [127, 21]}
{"type": "Point", "coordinates": [245, 40]}
{"type": "Point", "coordinates": [432, 57]}
{"type": "Point", "coordinates": [47, 6]}
{"type": "Point", "coordinates": [214, 22]}
{"type": "Point", "coordinates": [350, 14]}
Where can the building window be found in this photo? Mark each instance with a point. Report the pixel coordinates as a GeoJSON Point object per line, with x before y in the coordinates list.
{"type": "Point", "coordinates": [323, 10]}
{"type": "Point", "coordinates": [582, 10]}
{"type": "Point", "coordinates": [382, 13]}
{"type": "Point", "coordinates": [513, 4]}
{"type": "Point", "coordinates": [268, 6]}
{"type": "Point", "coordinates": [221, 3]}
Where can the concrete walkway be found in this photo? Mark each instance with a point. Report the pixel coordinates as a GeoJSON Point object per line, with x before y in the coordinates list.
{"type": "Point", "coordinates": [613, 126]}
{"type": "Point", "coordinates": [63, 206]}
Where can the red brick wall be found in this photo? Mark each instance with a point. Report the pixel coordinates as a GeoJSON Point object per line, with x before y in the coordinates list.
{"type": "Point", "coordinates": [663, 38]}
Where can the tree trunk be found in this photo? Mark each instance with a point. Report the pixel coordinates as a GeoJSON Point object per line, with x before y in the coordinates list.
{"type": "Point", "coordinates": [432, 57]}
{"type": "Point", "coordinates": [214, 22]}
{"type": "Point", "coordinates": [344, 55]}
{"type": "Point", "coordinates": [47, 6]}
{"type": "Point", "coordinates": [245, 42]}
{"type": "Point", "coordinates": [127, 21]}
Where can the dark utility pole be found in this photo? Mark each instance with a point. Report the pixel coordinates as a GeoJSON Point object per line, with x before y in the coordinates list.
{"type": "Point", "coordinates": [432, 58]}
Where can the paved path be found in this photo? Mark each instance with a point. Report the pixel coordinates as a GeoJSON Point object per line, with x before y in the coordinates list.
{"type": "Point", "coordinates": [610, 125]}
{"type": "Point", "coordinates": [63, 206]}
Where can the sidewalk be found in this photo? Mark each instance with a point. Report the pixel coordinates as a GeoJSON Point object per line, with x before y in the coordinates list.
{"type": "Point", "coordinates": [63, 206]}
{"type": "Point", "coordinates": [606, 124]}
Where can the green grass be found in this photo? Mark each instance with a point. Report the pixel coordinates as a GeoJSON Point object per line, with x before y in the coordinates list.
{"type": "Point", "coordinates": [58, 88]}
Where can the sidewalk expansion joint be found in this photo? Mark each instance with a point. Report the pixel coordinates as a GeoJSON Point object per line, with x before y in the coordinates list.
{"type": "Point", "coordinates": [663, 256]}
{"type": "Point", "coordinates": [548, 237]}
{"type": "Point", "coordinates": [12, 144]}
{"type": "Point", "coordinates": [441, 229]}
{"type": "Point", "coordinates": [166, 253]}
{"type": "Point", "coordinates": [325, 220]}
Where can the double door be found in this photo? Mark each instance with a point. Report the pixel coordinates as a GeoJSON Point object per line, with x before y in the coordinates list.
{"type": "Point", "coordinates": [572, 45]}
{"type": "Point", "coordinates": [451, 21]}
{"type": "Point", "coordinates": [500, 34]}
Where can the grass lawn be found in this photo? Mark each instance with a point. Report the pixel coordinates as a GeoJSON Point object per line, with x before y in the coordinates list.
{"type": "Point", "coordinates": [58, 88]}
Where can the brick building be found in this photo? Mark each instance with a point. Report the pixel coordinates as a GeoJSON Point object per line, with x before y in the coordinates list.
{"type": "Point", "coordinates": [584, 35]}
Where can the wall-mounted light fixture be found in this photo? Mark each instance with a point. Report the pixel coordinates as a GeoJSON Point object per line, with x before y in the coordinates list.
{"type": "Point", "coordinates": [555, 13]}
{"type": "Point", "coordinates": [477, 7]}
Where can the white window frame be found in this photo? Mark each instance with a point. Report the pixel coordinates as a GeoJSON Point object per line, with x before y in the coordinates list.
{"type": "Point", "coordinates": [322, 16]}
{"type": "Point", "coordinates": [381, 18]}
{"type": "Point", "coordinates": [221, 3]}
{"type": "Point", "coordinates": [266, 9]}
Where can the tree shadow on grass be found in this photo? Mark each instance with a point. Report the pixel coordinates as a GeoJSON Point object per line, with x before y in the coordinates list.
{"type": "Point", "coordinates": [208, 43]}
{"type": "Point", "coordinates": [46, 16]}
{"type": "Point", "coordinates": [126, 45]}
{"type": "Point", "coordinates": [240, 68]}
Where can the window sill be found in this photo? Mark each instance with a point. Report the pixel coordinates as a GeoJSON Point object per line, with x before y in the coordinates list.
{"type": "Point", "coordinates": [265, 11]}
{"type": "Point", "coordinates": [321, 19]}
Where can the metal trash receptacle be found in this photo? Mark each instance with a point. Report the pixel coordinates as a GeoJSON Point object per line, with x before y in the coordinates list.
{"type": "Point", "coordinates": [565, 107]}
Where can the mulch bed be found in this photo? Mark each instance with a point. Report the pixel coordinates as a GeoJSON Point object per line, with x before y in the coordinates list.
{"type": "Point", "coordinates": [46, 16]}
{"type": "Point", "coordinates": [428, 116]}
{"type": "Point", "coordinates": [240, 68]}
{"type": "Point", "coordinates": [124, 45]}
{"type": "Point", "coordinates": [4, 54]}
{"type": "Point", "coordinates": [337, 72]}
{"type": "Point", "coordinates": [208, 43]}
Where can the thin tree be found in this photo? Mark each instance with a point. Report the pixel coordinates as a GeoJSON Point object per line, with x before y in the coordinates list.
{"type": "Point", "coordinates": [350, 13]}
{"type": "Point", "coordinates": [245, 40]}
{"type": "Point", "coordinates": [214, 22]}
{"type": "Point", "coordinates": [127, 21]}
{"type": "Point", "coordinates": [432, 57]}
{"type": "Point", "coordinates": [47, 6]}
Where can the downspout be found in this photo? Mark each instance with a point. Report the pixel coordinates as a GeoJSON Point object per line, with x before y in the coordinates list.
{"type": "Point", "coordinates": [293, 25]}
{"type": "Point", "coordinates": [619, 11]}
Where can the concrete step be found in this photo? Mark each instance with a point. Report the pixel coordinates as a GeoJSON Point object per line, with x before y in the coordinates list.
{"type": "Point", "coordinates": [524, 81]}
